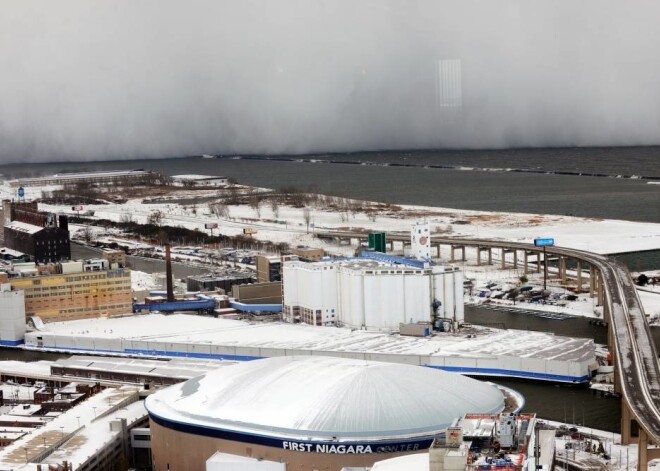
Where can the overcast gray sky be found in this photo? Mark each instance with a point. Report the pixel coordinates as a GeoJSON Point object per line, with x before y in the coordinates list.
{"type": "Point", "coordinates": [85, 79]}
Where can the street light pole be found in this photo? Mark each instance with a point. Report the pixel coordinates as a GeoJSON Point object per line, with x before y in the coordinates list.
{"type": "Point", "coordinates": [545, 269]}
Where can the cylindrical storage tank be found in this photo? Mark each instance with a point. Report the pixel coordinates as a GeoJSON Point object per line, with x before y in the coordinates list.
{"type": "Point", "coordinates": [448, 281]}
{"type": "Point", "coordinates": [439, 291]}
{"type": "Point", "coordinates": [352, 311]}
{"type": "Point", "coordinates": [458, 297]}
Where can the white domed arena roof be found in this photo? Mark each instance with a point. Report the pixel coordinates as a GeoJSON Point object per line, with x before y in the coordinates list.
{"type": "Point", "coordinates": [324, 397]}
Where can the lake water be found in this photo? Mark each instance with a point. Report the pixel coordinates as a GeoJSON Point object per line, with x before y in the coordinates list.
{"type": "Point", "coordinates": [581, 182]}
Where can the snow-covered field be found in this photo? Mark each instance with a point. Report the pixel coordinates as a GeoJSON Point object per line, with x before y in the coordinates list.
{"type": "Point", "coordinates": [288, 224]}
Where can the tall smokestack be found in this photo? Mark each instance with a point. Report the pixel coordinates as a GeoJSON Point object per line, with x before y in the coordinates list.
{"type": "Point", "coordinates": [64, 222]}
{"type": "Point", "coordinates": [168, 274]}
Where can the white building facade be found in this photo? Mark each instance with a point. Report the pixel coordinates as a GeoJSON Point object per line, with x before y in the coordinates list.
{"type": "Point", "coordinates": [369, 294]}
{"type": "Point", "coordinates": [420, 241]}
{"type": "Point", "coordinates": [12, 316]}
{"type": "Point", "coordinates": [199, 180]}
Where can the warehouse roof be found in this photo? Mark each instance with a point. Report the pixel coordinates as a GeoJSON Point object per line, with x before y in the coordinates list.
{"type": "Point", "coordinates": [23, 227]}
{"type": "Point", "coordinates": [325, 397]}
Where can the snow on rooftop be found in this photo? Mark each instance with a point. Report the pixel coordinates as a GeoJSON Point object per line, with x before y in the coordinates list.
{"type": "Point", "coordinates": [196, 177]}
{"type": "Point", "coordinates": [342, 398]}
{"type": "Point", "coordinates": [13, 367]}
{"type": "Point", "coordinates": [23, 227]}
{"type": "Point", "coordinates": [84, 430]}
{"type": "Point", "coordinates": [82, 175]}
{"type": "Point", "coordinates": [417, 462]}
{"type": "Point", "coordinates": [171, 368]}
{"type": "Point", "coordinates": [182, 328]}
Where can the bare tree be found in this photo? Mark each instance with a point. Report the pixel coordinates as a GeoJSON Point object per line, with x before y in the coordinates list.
{"type": "Point", "coordinates": [233, 195]}
{"type": "Point", "coordinates": [221, 210]}
{"type": "Point", "coordinates": [307, 217]}
{"type": "Point", "coordinates": [126, 217]}
{"type": "Point", "coordinates": [275, 207]}
{"type": "Point", "coordinates": [354, 207]}
{"type": "Point", "coordinates": [156, 218]}
{"type": "Point", "coordinates": [87, 234]}
{"type": "Point", "coordinates": [255, 203]}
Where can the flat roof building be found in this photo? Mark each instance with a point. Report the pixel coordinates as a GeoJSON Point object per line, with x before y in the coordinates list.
{"type": "Point", "coordinates": [215, 281]}
{"type": "Point", "coordinates": [77, 295]}
{"type": "Point", "coordinates": [269, 268]}
{"type": "Point", "coordinates": [43, 236]}
{"type": "Point", "coordinates": [104, 177]}
{"type": "Point", "coordinates": [199, 180]}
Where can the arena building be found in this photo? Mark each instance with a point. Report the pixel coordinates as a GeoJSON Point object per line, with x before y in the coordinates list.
{"type": "Point", "coordinates": [312, 413]}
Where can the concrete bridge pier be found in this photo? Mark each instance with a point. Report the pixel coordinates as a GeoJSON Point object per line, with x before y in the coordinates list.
{"type": "Point", "coordinates": [578, 279]}
{"type": "Point", "coordinates": [596, 286]}
{"type": "Point", "coordinates": [562, 269]}
{"type": "Point", "coordinates": [503, 253]}
{"type": "Point", "coordinates": [644, 453]}
{"type": "Point", "coordinates": [453, 252]}
{"type": "Point", "coordinates": [592, 281]}
{"type": "Point", "coordinates": [538, 260]}
{"type": "Point", "coordinates": [599, 288]}
{"type": "Point", "coordinates": [490, 255]}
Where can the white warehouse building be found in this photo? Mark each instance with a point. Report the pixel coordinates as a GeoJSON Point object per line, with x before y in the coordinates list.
{"type": "Point", "coordinates": [371, 294]}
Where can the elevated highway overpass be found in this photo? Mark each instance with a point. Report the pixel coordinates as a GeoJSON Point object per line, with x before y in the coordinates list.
{"type": "Point", "coordinates": [637, 375]}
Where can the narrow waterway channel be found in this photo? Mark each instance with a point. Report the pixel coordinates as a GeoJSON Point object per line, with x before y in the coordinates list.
{"type": "Point", "coordinates": [574, 404]}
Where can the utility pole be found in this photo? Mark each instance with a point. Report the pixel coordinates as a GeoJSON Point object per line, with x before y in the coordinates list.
{"type": "Point", "coordinates": [545, 269]}
{"type": "Point", "coordinates": [540, 242]}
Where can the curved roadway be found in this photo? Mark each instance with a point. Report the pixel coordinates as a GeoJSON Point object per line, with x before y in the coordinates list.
{"type": "Point", "coordinates": [635, 354]}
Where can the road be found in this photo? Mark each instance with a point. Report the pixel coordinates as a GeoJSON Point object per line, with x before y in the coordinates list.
{"type": "Point", "coordinates": [635, 353]}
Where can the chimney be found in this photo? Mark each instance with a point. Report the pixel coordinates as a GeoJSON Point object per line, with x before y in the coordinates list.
{"type": "Point", "coordinates": [64, 222]}
{"type": "Point", "coordinates": [168, 274]}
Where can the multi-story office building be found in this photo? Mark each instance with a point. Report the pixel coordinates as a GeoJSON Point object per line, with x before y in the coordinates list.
{"type": "Point", "coordinates": [269, 268]}
{"type": "Point", "coordinates": [80, 295]}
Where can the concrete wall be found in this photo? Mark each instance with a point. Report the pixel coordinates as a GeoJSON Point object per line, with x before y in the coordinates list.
{"type": "Point", "coordinates": [259, 293]}
{"type": "Point", "coordinates": [175, 450]}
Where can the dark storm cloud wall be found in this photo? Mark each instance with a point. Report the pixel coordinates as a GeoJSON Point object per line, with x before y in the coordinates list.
{"type": "Point", "coordinates": [121, 79]}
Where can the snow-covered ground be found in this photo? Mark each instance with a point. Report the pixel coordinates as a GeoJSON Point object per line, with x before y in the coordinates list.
{"type": "Point", "coordinates": [141, 281]}
{"type": "Point", "coordinates": [288, 224]}
{"type": "Point", "coordinates": [621, 457]}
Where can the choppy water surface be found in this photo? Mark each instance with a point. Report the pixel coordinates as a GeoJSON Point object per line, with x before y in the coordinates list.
{"type": "Point", "coordinates": [432, 178]}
